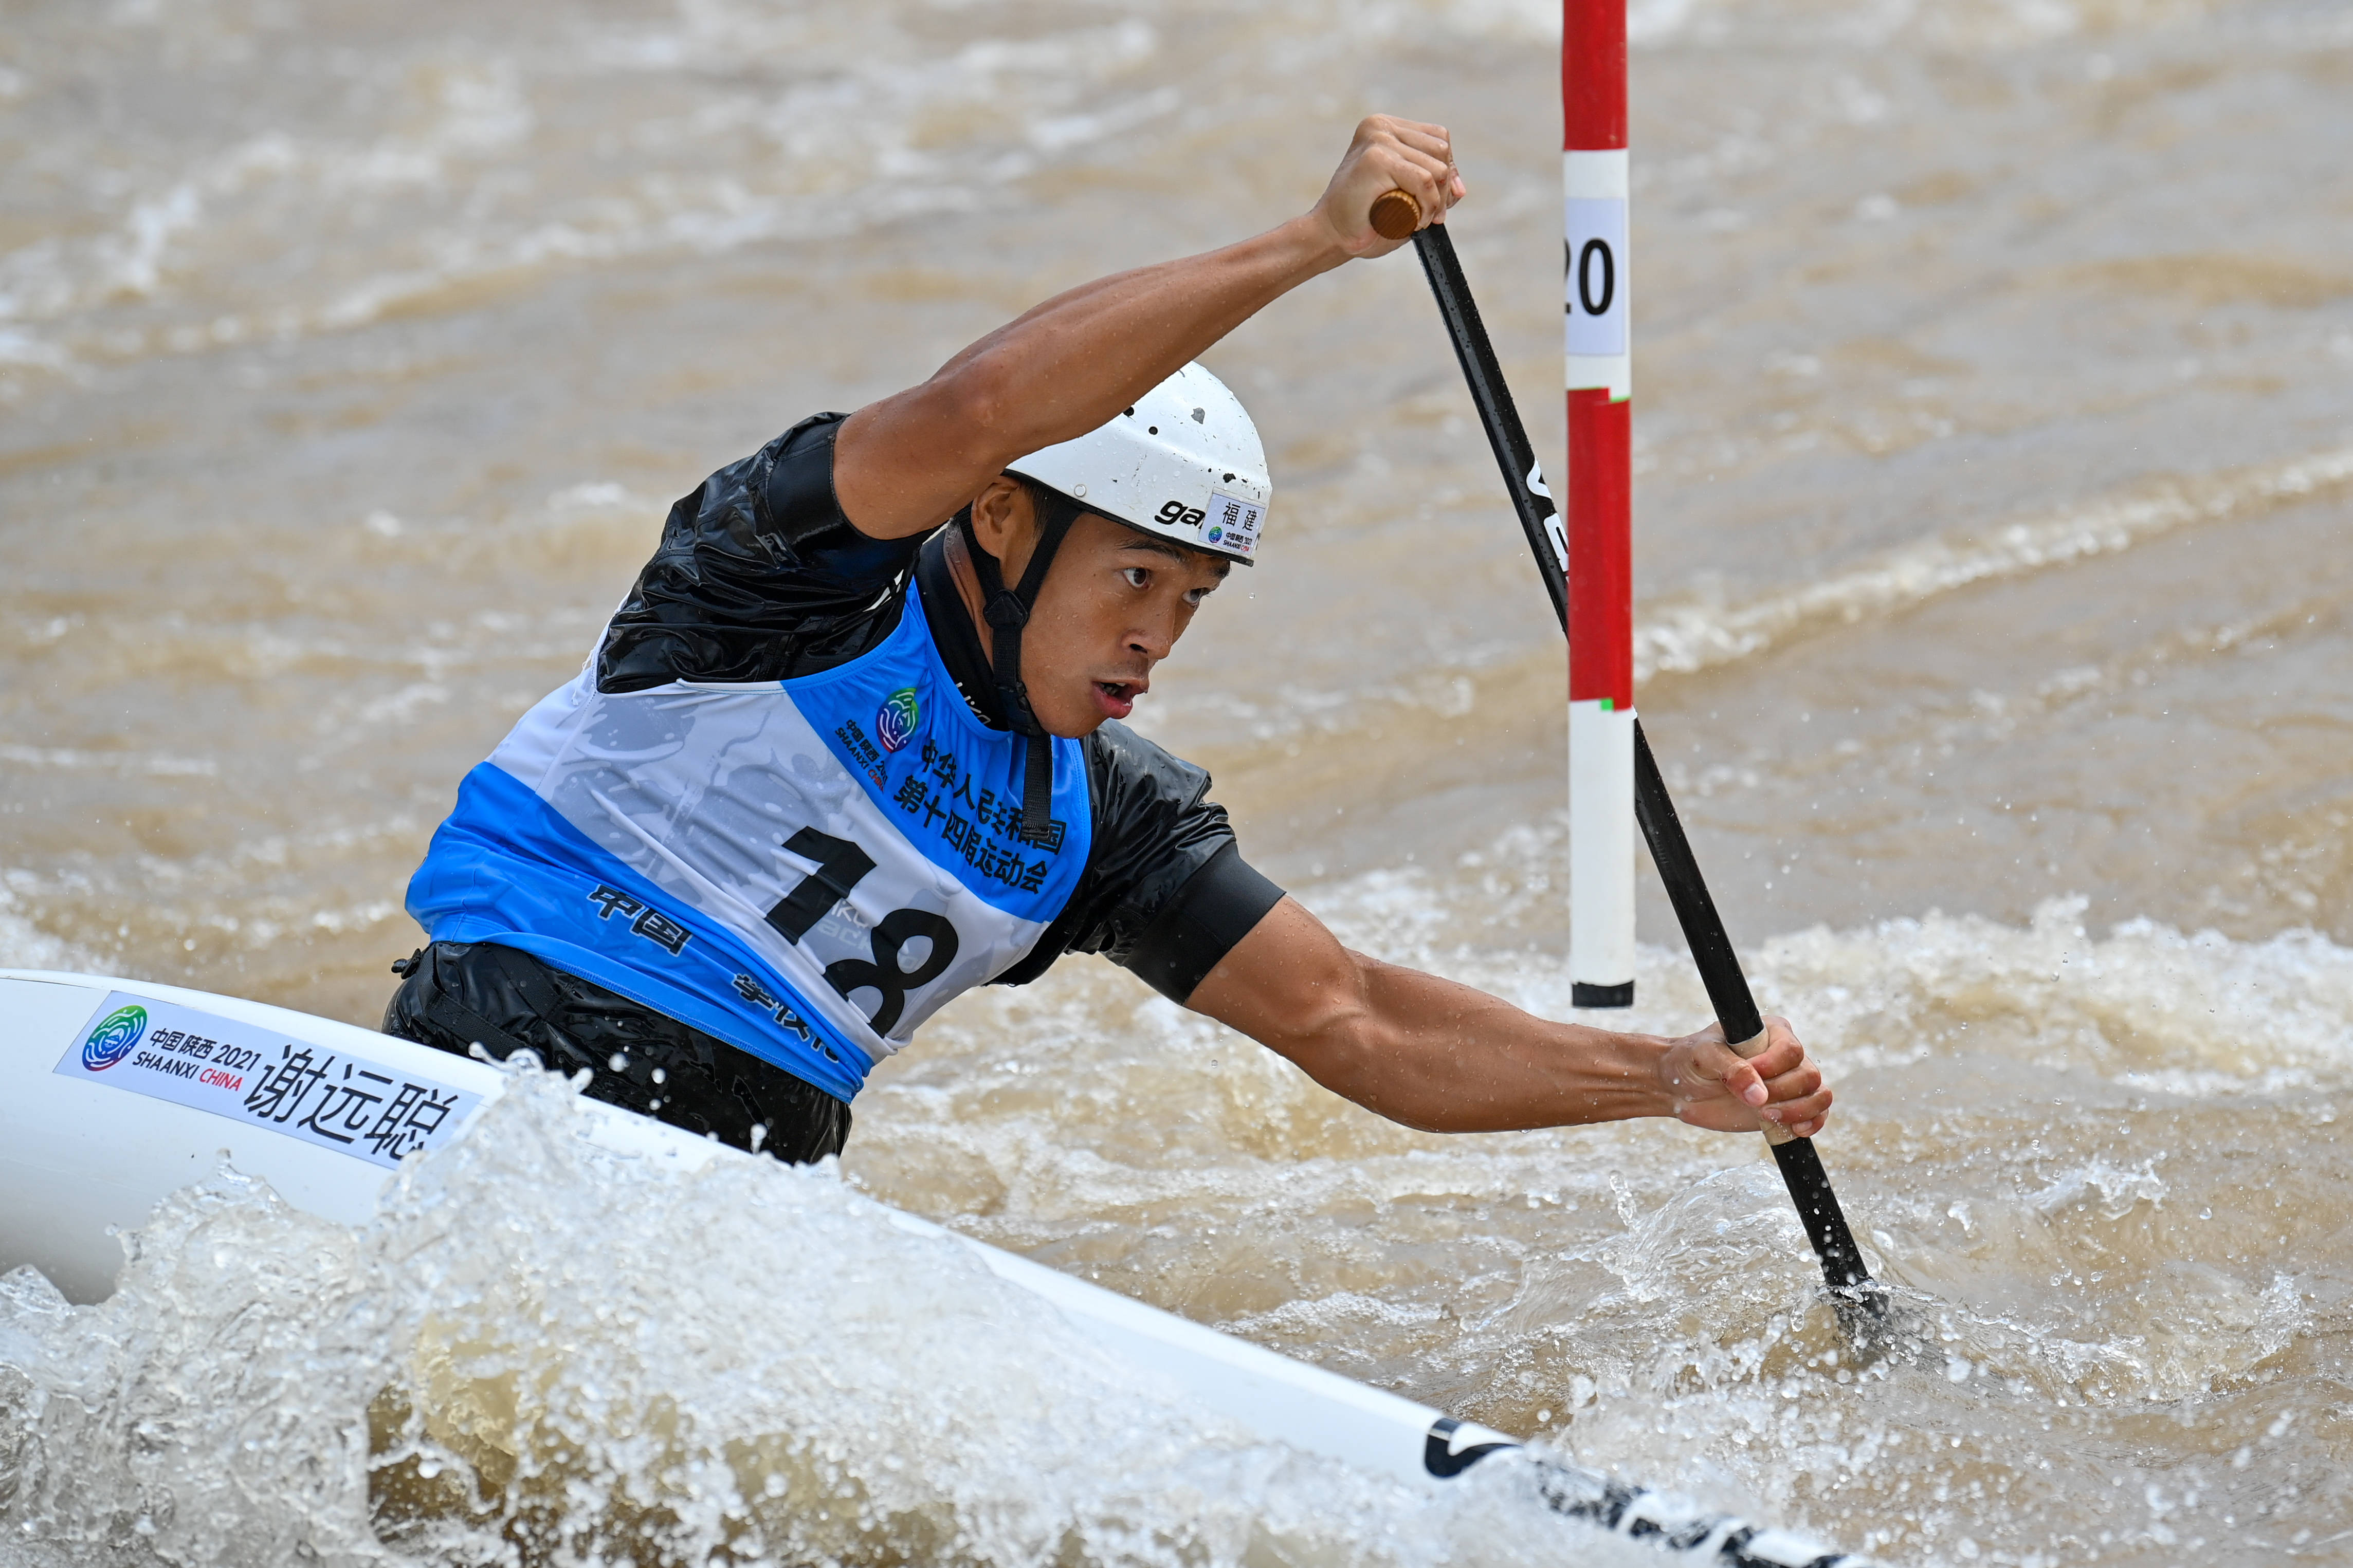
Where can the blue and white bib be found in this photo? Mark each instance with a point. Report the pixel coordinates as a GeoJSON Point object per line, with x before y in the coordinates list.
{"type": "Point", "coordinates": [807, 869]}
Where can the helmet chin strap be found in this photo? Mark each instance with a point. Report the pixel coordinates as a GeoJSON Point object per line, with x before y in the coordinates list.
{"type": "Point", "coordinates": [1006, 611]}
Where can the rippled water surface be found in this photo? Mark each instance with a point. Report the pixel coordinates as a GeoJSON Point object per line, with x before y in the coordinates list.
{"type": "Point", "coordinates": [1994, 450]}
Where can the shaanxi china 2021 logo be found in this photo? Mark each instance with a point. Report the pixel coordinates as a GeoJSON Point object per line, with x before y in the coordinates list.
{"type": "Point", "coordinates": [115, 1037]}
{"type": "Point", "coordinates": [895, 720]}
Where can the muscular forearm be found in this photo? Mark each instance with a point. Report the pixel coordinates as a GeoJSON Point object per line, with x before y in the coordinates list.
{"type": "Point", "coordinates": [903, 464]}
{"type": "Point", "coordinates": [1076, 360]}
{"type": "Point", "coordinates": [1447, 1059]}
{"type": "Point", "coordinates": [1062, 369]}
{"type": "Point", "coordinates": [1443, 1058]}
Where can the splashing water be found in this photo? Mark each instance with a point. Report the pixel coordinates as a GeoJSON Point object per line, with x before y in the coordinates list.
{"type": "Point", "coordinates": [1991, 490]}
{"type": "Point", "coordinates": [2036, 1140]}
{"type": "Point", "coordinates": [541, 1353]}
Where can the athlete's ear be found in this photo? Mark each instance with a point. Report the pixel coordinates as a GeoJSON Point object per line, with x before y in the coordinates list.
{"type": "Point", "coordinates": [1002, 521]}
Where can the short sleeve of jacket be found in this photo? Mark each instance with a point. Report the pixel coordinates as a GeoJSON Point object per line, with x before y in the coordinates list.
{"type": "Point", "coordinates": [759, 576]}
{"type": "Point", "coordinates": [1165, 892]}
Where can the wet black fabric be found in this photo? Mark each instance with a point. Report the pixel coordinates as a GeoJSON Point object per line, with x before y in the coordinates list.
{"type": "Point", "coordinates": [456, 994]}
{"type": "Point", "coordinates": [759, 576]}
{"type": "Point", "coordinates": [1157, 833]}
{"type": "Point", "coordinates": [1217, 905]}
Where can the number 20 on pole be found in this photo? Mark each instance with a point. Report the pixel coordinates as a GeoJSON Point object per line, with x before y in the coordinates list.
{"type": "Point", "coordinates": [1594, 303]}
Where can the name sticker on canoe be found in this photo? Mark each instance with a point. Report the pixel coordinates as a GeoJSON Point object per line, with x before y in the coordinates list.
{"type": "Point", "coordinates": [317, 1094]}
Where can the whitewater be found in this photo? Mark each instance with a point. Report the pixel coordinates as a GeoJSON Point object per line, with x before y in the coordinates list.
{"type": "Point", "coordinates": [1994, 463]}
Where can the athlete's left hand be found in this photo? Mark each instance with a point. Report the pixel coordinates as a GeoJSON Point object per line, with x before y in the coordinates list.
{"type": "Point", "coordinates": [1711, 1087]}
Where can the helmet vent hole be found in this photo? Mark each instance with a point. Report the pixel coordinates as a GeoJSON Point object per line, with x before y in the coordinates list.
{"type": "Point", "coordinates": [1154, 429]}
{"type": "Point", "coordinates": [1131, 413]}
{"type": "Point", "coordinates": [1201, 415]}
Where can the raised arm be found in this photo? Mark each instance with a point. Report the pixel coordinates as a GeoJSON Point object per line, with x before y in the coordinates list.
{"type": "Point", "coordinates": [1444, 1058]}
{"type": "Point", "coordinates": [904, 464]}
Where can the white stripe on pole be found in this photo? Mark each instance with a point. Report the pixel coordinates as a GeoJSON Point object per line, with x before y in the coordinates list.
{"type": "Point", "coordinates": [1595, 288]}
{"type": "Point", "coordinates": [1601, 853]}
{"type": "Point", "coordinates": [1597, 314]}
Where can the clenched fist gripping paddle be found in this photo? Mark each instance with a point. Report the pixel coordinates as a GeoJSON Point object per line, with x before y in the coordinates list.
{"type": "Point", "coordinates": [1394, 215]}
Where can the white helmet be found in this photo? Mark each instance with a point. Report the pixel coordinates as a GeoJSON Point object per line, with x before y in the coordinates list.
{"type": "Point", "coordinates": [1184, 464]}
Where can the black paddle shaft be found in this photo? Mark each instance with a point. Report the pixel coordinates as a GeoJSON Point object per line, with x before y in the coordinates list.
{"type": "Point", "coordinates": [1736, 1009]}
{"type": "Point", "coordinates": [1719, 966]}
{"type": "Point", "coordinates": [1539, 518]}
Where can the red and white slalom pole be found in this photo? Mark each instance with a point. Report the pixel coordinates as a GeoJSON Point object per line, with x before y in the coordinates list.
{"type": "Point", "coordinates": [1601, 511]}
{"type": "Point", "coordinates": [1862, 1306]}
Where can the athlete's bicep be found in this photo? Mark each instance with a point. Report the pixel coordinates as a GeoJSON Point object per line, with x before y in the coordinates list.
{"type": "Point", "coordinates": [903, 465]}
{"type": "Point", "coordinates": [1211, 911]}
{"type": "Point", "coordinates": [1289, 985]}
{"type": "Point", "coordinates": [908, 462]}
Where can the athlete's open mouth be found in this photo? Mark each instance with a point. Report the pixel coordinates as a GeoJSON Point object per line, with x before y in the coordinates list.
{"type": "Point", "coordinates": [1118, 697]}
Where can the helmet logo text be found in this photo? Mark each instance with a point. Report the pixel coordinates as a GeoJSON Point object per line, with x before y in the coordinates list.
{"type": "Point", "coordinates": [1178, 515]}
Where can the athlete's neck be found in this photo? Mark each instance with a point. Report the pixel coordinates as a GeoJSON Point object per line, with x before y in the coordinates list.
{"type": "Point", "coordinates": [967, 582]}
{"type": "Point", "coordinates": [951, 601]}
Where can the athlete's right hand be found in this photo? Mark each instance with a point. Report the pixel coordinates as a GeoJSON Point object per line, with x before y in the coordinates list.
{"type": "Point", "coordinates": [1388, 154]}
{"type": "Point", "coordinates": [1708, 1085]}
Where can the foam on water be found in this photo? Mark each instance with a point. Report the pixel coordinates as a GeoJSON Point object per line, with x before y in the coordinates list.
{"type": "Point", "coordinates": [539, 1353]}
{"type": "Point", "coordinates": [845, 132]}
{"type": "Point", "coordinates": [805, 127]}
{"type": "Point", "coordinates": [802, 126]}
{"type": "Point", "coordinates": [23, 944]}
{"type": "Point", "coordinates": [1708, 625]}
{"type": "Point", "coordinates": [1954, 24]}
{"type": "Point", "coordinates": [2033, 1141]}
{"type": "Point", "coordinates": [1691, 632]}
{"type": "Point", "coordinates": [545, 1351]}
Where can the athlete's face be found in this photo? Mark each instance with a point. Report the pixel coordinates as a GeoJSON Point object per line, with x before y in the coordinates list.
{"type": "Point", "coordinates": [1114, 603]}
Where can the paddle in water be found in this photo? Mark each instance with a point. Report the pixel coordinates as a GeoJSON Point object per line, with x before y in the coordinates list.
{"type": "Point", "coordinates": [1396, 215]}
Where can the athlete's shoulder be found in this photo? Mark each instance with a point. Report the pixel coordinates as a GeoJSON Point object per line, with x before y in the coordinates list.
{"type": "Point", "coordinates": [1153, 821]}
{"type": "Point", "coordinates": [1165, 891]}
{"type": "Point", "coordinates": [1130, 773]}
{"type": "Point", "coordinates": [1154, 824]}
{"type": "Point", "coordinates": [758, 576]}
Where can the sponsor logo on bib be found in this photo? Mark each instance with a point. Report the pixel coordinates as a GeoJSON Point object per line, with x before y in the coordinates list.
{"type": "Point", "coordinates": [114, 1038]}
{"type": "Point", "coordinates": [895, 720]}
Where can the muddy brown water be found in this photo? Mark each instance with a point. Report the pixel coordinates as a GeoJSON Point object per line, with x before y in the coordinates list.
{"type": "Point", "coordinates": [1994, 454]}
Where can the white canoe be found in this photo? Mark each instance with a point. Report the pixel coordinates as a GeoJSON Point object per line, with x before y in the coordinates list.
{"type": "Point", "coordinates": [121, 1092]}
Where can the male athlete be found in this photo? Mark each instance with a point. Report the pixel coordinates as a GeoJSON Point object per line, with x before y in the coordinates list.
{"type": "Point", "coordinates": [851, 746]}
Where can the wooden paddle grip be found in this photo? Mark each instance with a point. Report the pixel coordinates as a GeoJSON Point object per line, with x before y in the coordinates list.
{"type": "Point", "coordinates": [1774, 1131]}
{"type": "Point", "coordinates": [1396, 214]}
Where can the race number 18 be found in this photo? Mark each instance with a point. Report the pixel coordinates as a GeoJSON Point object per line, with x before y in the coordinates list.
{"type": "Point", "coordinates": [1594, 294]}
